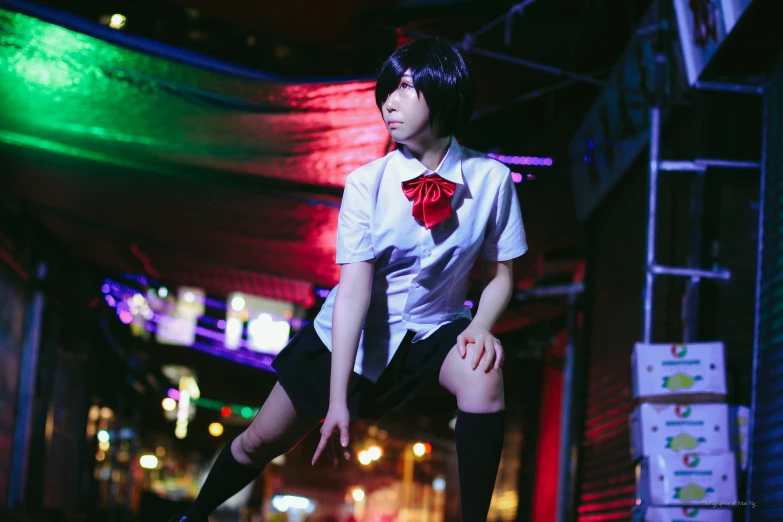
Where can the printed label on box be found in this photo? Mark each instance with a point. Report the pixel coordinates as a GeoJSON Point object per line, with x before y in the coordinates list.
{"type": "Point", "coordinates": [696, 480]}
{"type": "Point", "coordinates": [679, 428]}
{"type": "Point", "coordinates": [673, 369]}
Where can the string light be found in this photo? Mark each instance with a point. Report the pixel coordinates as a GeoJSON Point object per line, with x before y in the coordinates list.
{"type": "Point", "coordinates": [115, 290]}
{"type": "Point", "coordinates": [226, 410]}
{"type": "Point", "coordinates": [421, 448]}
{"type": "Point", "coordinates": [148, 461]}
{"type": "Point", "coordinates": [117, 21]}
{"type": "Point", "coordinates": [364, 458]}
{"type": "Point", "coordinates": [216, 429]}
{"type": "Point", "coordinates": [534, 161]}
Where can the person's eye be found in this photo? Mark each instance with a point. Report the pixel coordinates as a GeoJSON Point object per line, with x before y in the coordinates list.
{"type": "Point", "coordinates": [405, 85]}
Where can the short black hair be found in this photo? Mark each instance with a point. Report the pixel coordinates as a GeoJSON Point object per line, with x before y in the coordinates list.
{"type": "Point", "coordinates": [439, 73]}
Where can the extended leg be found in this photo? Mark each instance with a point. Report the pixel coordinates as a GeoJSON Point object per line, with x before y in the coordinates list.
{"type": "Point", "coordinates": [277, 429]}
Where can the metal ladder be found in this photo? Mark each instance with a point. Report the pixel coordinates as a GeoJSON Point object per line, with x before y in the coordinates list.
{"type": "Point", "coordinates": [652, 268]}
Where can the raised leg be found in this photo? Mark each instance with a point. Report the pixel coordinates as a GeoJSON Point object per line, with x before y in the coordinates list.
{"type": "Point", "coordinates": [479, 432]}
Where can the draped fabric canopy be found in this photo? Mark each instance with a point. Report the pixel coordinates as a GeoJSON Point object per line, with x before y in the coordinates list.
{"type": "Point", "coordinates": [152, 164]}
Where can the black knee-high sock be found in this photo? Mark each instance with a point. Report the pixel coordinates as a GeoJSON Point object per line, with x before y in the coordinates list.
{"type": "Point", "coordinates": [479, 439]}
{"type": "Point", "coordinates": [226, 478]}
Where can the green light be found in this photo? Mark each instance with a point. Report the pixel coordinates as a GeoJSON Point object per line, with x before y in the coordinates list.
{"type": "Point", "coordinates": [246, 412]}
{"type": "Point", "coordinates": [73, 94]}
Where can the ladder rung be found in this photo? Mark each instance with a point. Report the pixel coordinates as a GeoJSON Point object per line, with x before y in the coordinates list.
{"type": "Point", "coordinates": [691, 272]}
{"type": "Point", "coordinates": [729, 164]}
{"type": "Point", "coordinates": [681, 166]}
{"type": "Point", "coordinates": [700, 165]}
{"type": "Point", "coordinates": [730, 87]}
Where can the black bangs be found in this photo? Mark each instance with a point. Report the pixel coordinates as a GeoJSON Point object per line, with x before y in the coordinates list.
{"type": "Point", "coordinates": [439, 74]}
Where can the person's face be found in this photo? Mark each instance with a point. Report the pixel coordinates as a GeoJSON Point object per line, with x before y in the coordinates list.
{"type": "Point", "coordinates": [406, 113]}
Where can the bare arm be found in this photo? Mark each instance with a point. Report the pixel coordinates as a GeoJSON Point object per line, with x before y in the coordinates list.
{"type": "Point", "coordinates": [497, 293]}
{"type": "Point", "coordinates": [494, 300]}
{"type": "Point", "coordinates": [350, 310]}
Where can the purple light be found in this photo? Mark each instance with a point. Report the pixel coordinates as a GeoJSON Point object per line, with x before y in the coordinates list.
{"type": "Point", "coordinates": [105, 288]}
{"type": "Point", "coordinates": [523, 160]}
{"type": "Point", "coordinates": [173, 393]}
{"type": "Point", "coordinates": [110, 301]}
{"type": "Point", "coordinates": [214, 303]}
{"type": "Point", "coordinates": [137, 278]}
{"type": "Point", "coordinates": [517, 177]}
{"type": "Point", "coordinates": [298, 324]}
{"type": "Point", "coordinates": [529, 177]}
{"type": "Point", "coordinates": [257, 360]}
{"type": "Point", "coordinates": [469, 303]}
{"type": "Point", "coordinates": [125, 316]}
{"type": "Point", "coordinates": [323, 293]}
{"type": "Point", "coordinates": [221, 324]}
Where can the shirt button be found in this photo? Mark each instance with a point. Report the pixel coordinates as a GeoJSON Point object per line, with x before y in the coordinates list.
{"type": "Point", "coordinates": [427, 253]}
{"type": "Point", "coordinates": [416, 284]}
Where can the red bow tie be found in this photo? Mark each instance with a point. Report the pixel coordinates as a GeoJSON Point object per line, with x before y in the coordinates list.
{"type": "Point", "coordinates": [431, 196]}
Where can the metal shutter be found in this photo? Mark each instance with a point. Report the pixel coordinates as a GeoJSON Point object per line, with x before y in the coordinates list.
{"type": "Point", "coordinates": [615, 258]}
{"type": "Point", "coordinates": [766, 467]}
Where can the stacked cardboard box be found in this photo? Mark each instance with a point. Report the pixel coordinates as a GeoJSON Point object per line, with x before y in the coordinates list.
{"type": "Point", "coordinates": [685, 438]}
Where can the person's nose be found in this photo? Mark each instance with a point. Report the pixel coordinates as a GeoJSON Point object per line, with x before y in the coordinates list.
{"type": "Point", "coordinates": [390, 105]}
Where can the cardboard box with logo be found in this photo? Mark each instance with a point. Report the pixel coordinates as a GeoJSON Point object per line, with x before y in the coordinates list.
{"type": "Point", "coordinates": [675, 429]}
{"type": "Point", "coordinates": [666, 370]}
{"type": "Point", "coordinates": [687, 480]}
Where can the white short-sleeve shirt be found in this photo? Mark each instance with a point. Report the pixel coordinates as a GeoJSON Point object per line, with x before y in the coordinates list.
{"type": "Point", "coordinates": [421, 276]}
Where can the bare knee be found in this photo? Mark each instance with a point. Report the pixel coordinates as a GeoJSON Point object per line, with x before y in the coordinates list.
{"type": "Point", "coordinates": [481, 393]}
{"type": "Point", "coordinates": [247, 449]}
{"type": "Point", "coordinates": [476, 391]}
{"type": "Point", "coordinates": [251, 449]}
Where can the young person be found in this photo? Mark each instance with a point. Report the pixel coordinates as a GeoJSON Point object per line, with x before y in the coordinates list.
{"type": "Point", "coordinates": [410, 229]}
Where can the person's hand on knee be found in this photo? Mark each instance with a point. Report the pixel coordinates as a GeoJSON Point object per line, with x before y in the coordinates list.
{"type": "Point", "coordinates": [487, 351]}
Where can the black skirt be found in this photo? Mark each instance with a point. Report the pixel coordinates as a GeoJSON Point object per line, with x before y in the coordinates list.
{"type": "Point", "coordinates": [304, 371]}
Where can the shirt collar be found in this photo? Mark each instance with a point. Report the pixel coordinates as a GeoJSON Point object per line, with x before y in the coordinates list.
{"type": "Point", "coordinates": [450, 167]}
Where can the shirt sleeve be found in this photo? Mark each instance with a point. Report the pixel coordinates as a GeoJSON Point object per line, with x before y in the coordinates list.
{"type": "Point", "coordinates": [354, 239]}
{"type": "Point", "coordinates": [505, 237]}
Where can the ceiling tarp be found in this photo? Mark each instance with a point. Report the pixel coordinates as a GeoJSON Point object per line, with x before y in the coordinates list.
{"type": "Point", "coordinates": [148, 159]}
{"type": "Point", "coordinates": [79, 95]}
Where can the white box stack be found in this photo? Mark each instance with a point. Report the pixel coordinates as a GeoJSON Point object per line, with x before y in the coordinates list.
{"type": "Point", "coordinates": [683, 434]}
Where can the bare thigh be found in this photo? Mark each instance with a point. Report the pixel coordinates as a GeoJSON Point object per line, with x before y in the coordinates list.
{"type": "Point", "coordinates": [277, 429]}
{"type": "Point", "coordinates": [476, 391]}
